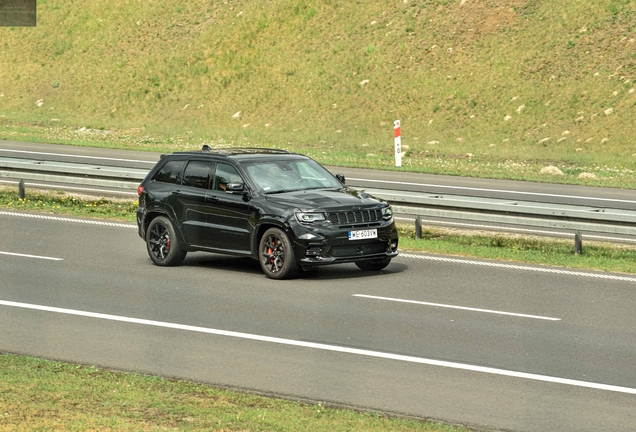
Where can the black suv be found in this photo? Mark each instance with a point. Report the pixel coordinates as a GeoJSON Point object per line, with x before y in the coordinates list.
{"type": "Point", "coordinates": [283, 209]}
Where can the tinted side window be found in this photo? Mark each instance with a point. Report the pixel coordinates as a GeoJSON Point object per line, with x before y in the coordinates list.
{"type": "Point", "coordinates": [226, 174]}
{"type": "Point", "coordinates": [197, 174]}
{"type": "Point", "coordinates": [170, 172]}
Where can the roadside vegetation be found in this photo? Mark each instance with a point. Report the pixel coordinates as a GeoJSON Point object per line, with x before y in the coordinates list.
{"type": "Point", "coordinates": [61, 203]}
{"type": "Point", "coordinates": [517, 89]}
{"type": "Point", "coordinates": [37, 394]}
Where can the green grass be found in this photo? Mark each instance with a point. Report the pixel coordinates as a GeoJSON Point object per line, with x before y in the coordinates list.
{"type": "Point", "coordinates": [37, 394]}
{"type": "Point", "coordinates": [62, 204]}
{"type": "Point", "coordinates": [531, 250]}
{"type": "Point", "coordinates": [488, 89]}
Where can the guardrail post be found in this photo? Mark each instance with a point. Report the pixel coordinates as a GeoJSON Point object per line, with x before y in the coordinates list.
{"type": "Point", "coordinates": [418, 227]}
{"type": "Point", "coordinates": [578, 243]}
{"type": "Point", "coordinates": [21, 189]}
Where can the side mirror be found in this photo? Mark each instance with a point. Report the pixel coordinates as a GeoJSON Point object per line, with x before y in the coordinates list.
{"type": "Point", "coordinates": [234, 188]}
{"type": "Point", "coordinates": [341, 178]}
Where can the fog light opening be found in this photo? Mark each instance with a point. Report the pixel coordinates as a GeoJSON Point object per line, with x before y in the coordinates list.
{"type": "Point", "coordinates": [313, 252]}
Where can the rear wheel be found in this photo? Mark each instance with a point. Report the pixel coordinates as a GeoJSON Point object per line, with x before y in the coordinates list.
{"type": "Point", "coordinates": [276, 255]}
{"type": "Point", "coordinates": [162, 243]}
{"type": "Point", "coordinates": [373, 265]}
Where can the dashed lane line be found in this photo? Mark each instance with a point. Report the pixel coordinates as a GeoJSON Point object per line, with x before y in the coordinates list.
{"type": "Point", "coordinates": [515, 314]}
{"type": "Point", "coordinates": [327, 347]}
{"type": "Point", "coordinates": [31, 256]}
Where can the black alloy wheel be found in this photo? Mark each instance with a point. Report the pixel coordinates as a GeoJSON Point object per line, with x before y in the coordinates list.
{"type": "Point", "coordinates": [162, 243]}
{"type": "Point", "coordinates": [276, 255]}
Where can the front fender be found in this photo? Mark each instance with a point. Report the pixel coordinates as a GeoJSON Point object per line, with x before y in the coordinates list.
{"type": "Point", "coordinates": [265, 223]}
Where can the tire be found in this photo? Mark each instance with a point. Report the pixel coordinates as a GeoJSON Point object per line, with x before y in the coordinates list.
{"type": "Point", "coordinates": [276, 255]}
{"type": "Point", "coordinates": [372, 265]}
{"type": "Point", "coordinates": [162, 243]}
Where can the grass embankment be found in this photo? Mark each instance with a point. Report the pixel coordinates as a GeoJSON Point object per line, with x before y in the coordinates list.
{"type": "Point", "coordinates": [43, 395]}
{"type": "Point", "coordinates": [492, 89]}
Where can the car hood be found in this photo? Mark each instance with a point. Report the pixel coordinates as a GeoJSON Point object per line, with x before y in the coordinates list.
{"type": "Point", "coordinates": [328, 200]}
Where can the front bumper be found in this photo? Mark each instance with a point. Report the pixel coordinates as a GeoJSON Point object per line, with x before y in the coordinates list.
{"type": "Point", "coordinates": [331, 245]}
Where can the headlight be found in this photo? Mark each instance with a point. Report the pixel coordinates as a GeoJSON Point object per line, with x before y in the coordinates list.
{"type": "Point", "coordinates": [309, 217]}
{"type": "Point", "coordinates": [310, 236]}
{"type": "Point", "coordinates": [387, 213]}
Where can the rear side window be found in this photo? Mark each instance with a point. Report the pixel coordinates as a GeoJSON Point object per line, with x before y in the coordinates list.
{"type": "Point", "coordinates": [170, 172]}
{"type": "Point", "coordinates": [197, 174]}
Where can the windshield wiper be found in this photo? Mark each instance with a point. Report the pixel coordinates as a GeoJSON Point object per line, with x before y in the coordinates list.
{"type": "Point", "coordinates": [277, 192]}
{"type": "Point", "coordinates": [318, 187]}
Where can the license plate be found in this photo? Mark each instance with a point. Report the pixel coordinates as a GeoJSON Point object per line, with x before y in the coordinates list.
{"type": "Point", "coordinates": [363, 234]}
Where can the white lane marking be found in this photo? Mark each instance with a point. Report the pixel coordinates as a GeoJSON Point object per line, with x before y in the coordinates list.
{"type": "Point", "coordinates": [457, 307]}
{"type": "Point", "coordinates": [519, 267]}
{"type": "Point", "coordinates": [511, 229]}
{"type": "Point", "coordinates": [77, 156]}
{"type": "Point", "coordinates": [402, 254]}
{"type": "Point", "coordinates": [493, 190]}
{"type": "Point", "coordinates": [62, 219]}
{"type": "Point", "coordinates": [64, 187]}
{"type": "Point", "coordinates": [326, 347]}
{"type": "Point", "coordinates": [31, 256]}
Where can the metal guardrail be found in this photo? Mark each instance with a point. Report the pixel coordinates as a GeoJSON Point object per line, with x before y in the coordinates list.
{"type": "Point", "coordinates": [73, 173]}
{"type": "Point", "coordinates": [505, 211]}
{"type": "Point", "coordinates": [539, 215]}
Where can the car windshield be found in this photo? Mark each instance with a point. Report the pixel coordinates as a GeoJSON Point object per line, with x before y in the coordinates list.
{"type": "Point", "coordinates": [290, 175]}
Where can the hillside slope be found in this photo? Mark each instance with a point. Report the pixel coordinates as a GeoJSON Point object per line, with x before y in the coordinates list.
{"type": "Point", "coordinates": [492, 81]}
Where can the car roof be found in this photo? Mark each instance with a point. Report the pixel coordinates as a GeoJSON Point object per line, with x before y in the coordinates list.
{"type": "Point", "coordinates": [242, 153]}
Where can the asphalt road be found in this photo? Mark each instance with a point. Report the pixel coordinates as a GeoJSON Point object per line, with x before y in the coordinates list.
{"type": "Point", "coordinates": [505, 347]}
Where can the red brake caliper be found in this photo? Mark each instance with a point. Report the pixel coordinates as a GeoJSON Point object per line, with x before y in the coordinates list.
{"type": "Point", "coordinates": [270, 251]}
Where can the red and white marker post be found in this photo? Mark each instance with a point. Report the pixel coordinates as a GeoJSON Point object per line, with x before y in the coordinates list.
{"type": "Point", "coordinates": [398, 143]}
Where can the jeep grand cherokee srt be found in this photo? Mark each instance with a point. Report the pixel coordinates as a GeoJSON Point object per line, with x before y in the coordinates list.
{"type": "Point", "coordinates": [283, 209]}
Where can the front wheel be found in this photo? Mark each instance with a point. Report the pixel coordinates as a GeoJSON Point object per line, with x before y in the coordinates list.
{"type": "Point", "coordinates": [276, 255]}
{"type": "Point", "coordinates": [373, 265]}
{"type": "Point", "coordinates": [162, 243]}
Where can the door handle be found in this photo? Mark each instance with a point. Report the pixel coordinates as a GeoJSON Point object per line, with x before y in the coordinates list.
{"type": "Point", "coordinates": [176, 192]}
{"type": "Point", "coordinates": [212, 198]}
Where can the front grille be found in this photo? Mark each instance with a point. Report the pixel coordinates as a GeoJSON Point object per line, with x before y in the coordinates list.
{"type": "Point", "coordinates": [360, 216]}
{"type": "Point", "coordinates": [361, 250]}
